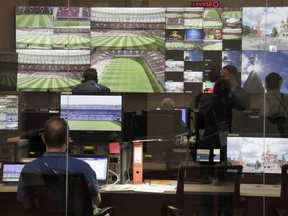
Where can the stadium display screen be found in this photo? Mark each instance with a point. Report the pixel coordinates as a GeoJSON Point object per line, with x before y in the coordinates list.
{"type": "Point", "coordinates": [8, 112]}
{"type": "Point", "coordinates": [147, 49]}
{"type": "Point", "coordinates": [92, 112]}
{"type": "Point", "coordinates": [257, 154]}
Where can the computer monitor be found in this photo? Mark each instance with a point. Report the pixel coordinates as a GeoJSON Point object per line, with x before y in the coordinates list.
{"type": "Point", "coordinates": [257, 154]}
{"type": "Point", "coordinates": [100, 165]}
{"type": "Point", "coordinates": [9, 111]}
{"type": "Point", "coordinates": [186, 115]}
{"type": "Point", "coordinates": [11, 172]}
{"type": "Point", "coordinates": [93, 114]}
{"type": "Point", "coordinates": [211, 149]}
{"type": "Point", "coordinates": [162, 124]}
{"type": "Point", "coordinates": [153, 126]}
{"type": "Point", "coordinates": [208, 155]}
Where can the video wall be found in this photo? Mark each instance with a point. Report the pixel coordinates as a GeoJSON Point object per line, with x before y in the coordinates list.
{"type": "Point", "coordinates": [149, 49]}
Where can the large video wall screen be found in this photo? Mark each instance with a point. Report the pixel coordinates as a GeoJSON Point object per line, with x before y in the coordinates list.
{"type": "Point", "coordinates": [148, 49]}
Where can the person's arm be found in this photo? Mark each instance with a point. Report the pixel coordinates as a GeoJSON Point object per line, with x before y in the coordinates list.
{"type": "Point", "coordinates": [97, 199]}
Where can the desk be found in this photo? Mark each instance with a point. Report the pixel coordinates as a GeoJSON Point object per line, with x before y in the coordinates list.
{"type": "Point", "coordinates": [139, 203]}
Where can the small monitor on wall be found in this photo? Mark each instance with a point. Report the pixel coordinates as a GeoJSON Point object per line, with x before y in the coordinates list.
{"type": "Point", "coordinates": [9, 112]}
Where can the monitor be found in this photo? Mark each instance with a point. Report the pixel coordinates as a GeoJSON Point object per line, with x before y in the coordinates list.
{"type": "Point", "coordinates": [9, 111]}
{"type": "Point", "coordinates": [153, 126]}
{"type": "Point", "coordinates": [100, 114]}
{"type": "Point", "coordinates": [257, 154]}
{"type": "Point", "coordinates": [11, 172]}
{"type": "Point", "coordinates": [261, 158]}
{"type": "Point", "coordinates": [160, 124]}
{"type": "Point", "coordinates": [210, 149]}
{"type": "Point", "coordinates": [186, 115]}
{"type": "Point", "coordinates": [99, 163]}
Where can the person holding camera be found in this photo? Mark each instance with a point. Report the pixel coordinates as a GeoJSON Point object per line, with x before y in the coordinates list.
{"type": "Point", "coordinates": [217, 110]}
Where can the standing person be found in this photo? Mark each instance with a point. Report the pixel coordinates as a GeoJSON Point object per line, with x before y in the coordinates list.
{"type": "Point", "coordinates": [237, 93]}
{"type": "Point", "coordinates": [276, 105]}
{"type": "Point", "coordinates": [55, 160]}
{"type": "Point", "coordinates": [90, 84]}
{"type": "Point", "coordinates": [240, 98]}
{"type": "Point", "coordinates": [275, 102]}
{"type": "Point", "coordinates": [217, 110]}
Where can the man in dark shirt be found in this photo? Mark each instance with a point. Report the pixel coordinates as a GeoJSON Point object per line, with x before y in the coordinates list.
{"type": "Point", "coordinates": [239, 96]}
{"type": "Point", "coordinates": [90, 84]}
{"type": "Point", "coordinates": [55, 160]}
{"type": "Point", "coordinates": [237, 93]}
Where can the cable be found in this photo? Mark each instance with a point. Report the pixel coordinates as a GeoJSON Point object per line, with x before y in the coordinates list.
{"type": "Point", "coordinates": [118, 179]}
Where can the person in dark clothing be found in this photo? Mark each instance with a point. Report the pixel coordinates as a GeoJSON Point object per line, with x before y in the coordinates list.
{"type": "Point", "coordinates": [217, 110]}
{"type": "Point", "coordinates": [90, 84]}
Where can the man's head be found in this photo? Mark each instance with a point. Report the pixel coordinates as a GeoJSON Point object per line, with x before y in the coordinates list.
{"type": "Point", "coordinates": [273, 81]}
{"type": "Point", "coordinates": [167, 104]}
{"type": "Point", "coordinates": [229, 73]}
{"type": "Point", "coordinates": [90, 74]}
{"type": "Point", "coordinates": [55, 133]}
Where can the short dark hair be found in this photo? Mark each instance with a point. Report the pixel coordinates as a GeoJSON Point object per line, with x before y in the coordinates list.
{"type": "Point", "coordinates": [55, 132]}
{"type": "Point", "coordinates": [273, 81]}
{"type": "Point", "coordinates": [231, 70]}
{"type": "Point", "coordinates": [90, 74]}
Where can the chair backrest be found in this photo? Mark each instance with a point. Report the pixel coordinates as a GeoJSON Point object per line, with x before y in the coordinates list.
{"type": "Point", "coordinates": [56, 194]}
{"type": "Point", "coordinates": [209, 179]}
{"type": "Point", "coordinates": [284, 184]}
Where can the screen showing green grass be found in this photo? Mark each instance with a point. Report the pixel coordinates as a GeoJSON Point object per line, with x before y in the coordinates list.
{"type": "Point", "coordinates": [75, 125]}
{"type": "Point", "coordinates": [130, 74]}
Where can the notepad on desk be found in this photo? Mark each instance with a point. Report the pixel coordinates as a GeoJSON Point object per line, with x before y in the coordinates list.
{"type": "Point", "coordinates": [146, 188]}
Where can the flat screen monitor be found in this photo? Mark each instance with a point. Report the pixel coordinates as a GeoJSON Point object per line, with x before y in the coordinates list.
{"type": "Point", "coordinates": [257, 154]}
{"type": "Point", "coordinates": [185, 114]}
{"type": "Point", "coordinates": [179, 126]}
{"type": "Point", "coordinates": [9, 112]}
{"type": "Point", "coordinates": [11, 172]}
{"type": "Point", "coordinates": [93, 113]}
{"type": "Point", "coordinates": [260, 157]}
{"type": "Point", "coordinates": [100, 165]}
{"type": "Point", "coordinates": [210, 149]}
{"type": "Point", "coordinates": [156, 126]}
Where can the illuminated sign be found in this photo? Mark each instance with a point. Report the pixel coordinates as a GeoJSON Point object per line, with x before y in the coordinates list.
{"type": "Point", "coordinates": [214, 4]}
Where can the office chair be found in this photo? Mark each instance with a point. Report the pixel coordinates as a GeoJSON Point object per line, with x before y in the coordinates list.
{"type": "Point", "coordinates": [281, 209]}
{"type": "Point", "coordinates": [206, 189]}
{"type": "Point", "coordinates": [55, 194]}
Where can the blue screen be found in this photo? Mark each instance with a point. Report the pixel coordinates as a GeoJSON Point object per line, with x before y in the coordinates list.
{"type": "Point", "coordinates": [194, 34]}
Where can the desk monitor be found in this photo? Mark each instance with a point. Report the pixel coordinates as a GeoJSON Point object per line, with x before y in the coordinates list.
{"type": "Point", "coordinates": [11, 172]}
{"type": "Point", "coordinates": [259, 156]}
{"type": "Point", "coordinates": [186, 115]}
{"type": "Point", "coordinates": [211, 146]}
{"type": "Point", "coordinates": [207, 155]}
{"type": "Point", "coordinates": [153, 126]}
{"type": "Point", "coordinates": [185, 111]}
{"type": "Point", "coordinates": [179, 126]}
{"type": "Point", "coordinates": [202, 155]}
{"type": "Point", "coordinates": [93, 114]}
{"type": "Point", "coordinates": [99, 163]}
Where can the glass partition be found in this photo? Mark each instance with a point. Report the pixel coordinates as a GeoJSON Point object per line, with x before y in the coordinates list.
{"type": "Point", "coordinates": [196, 85]}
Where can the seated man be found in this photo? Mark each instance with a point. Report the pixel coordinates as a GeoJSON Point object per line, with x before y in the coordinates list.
{"type": "Point", "coordinates": [90, 84]}
{"type": "Point", "coordinates": [54, 161]}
